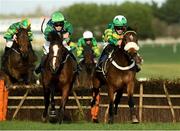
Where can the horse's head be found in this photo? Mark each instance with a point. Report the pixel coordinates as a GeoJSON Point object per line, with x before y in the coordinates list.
{"type": "Point", "coordinates": [23, 42]}
{"type": "Point", "coordinates": [56, 51]}
{"type": "Point", "coordinates": [88, 54]}
{"type": "Point", "coordinates": [130, 42]}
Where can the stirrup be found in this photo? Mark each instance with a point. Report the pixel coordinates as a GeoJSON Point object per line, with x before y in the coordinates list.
{"type": "Point", "coordinates": [38, 70]}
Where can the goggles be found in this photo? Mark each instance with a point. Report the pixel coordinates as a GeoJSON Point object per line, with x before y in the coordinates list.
{"type": "Point", "coordinates": [120, 28]}
{"type": "Point", "coordinates": [56, 24]}
{"type": "Point", "coordinates": [88, 39]}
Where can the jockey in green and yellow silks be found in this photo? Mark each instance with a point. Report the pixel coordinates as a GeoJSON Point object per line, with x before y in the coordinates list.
{"type": "Point", "coordinates": [87, 39]}
{"type": "Point", "coordinates": [58, 24]}
{"type": "Point", "coordinates": [114, 33]}
{"type": "Point", "coordinates": [113, 36]}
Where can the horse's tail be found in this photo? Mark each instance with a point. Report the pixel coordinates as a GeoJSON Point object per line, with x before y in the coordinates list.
{"type": "Point", "coordinates": [42, 24]}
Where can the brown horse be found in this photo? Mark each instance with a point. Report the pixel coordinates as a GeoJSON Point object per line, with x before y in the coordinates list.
{"type": "Point", "coordinates": [87, 65]}
{"type": "Point", "coordinates": [19, 64]}
{"type": "Point", "coordinates": [119, 74]}
{"type": "Point", "coordinates": [58, 76]}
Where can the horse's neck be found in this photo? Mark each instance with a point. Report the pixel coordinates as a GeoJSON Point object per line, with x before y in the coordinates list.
{"type": "Point", "coordinates": [121, 57]}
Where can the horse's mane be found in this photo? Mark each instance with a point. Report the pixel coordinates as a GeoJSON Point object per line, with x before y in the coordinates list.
{"type": "Point", "coordinates": [54, 36]}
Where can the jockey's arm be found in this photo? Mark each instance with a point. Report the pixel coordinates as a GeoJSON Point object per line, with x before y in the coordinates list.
{"type": "Point", "coordinates": [95, 48]}
{"type": "Point", "coordinates": [47, 30]}
{"type": "Point", "coordinates": [30, 35]}
{"type": "Point", "coordinates": [80, 47]}
{"type": "Point", "coordinates": [68, 31]}
{"type": "Point", "coordinates": [108, 37]}
{"type": "Point", "coordinates": [12, 30]}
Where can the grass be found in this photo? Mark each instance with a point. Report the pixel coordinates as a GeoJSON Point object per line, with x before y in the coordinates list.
{"type": "Point", "coordinates": [163, 70]}
{"type": "Point", "coordinates": [29, 125]}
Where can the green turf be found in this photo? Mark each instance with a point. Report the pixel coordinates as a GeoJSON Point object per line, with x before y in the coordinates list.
{"type": "Point", "coordinates": [160, 54]}
{"type": "Point", "coordinates": [28, 125]}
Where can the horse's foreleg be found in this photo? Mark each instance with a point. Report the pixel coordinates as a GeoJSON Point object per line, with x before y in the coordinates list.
{"type": "Point", "coordinates": [65, 94]}
{"type": "Point", "coordinates": [52, 111]}
{"type": "Point", "coordinates": [130, 90]}
{"type": "Point", "coordinates": [117, 100]}
{"type": "Point", "coordinates": [46, 103]}
{"type": "Point", "coordinates": [95, 92]}
{"type": "Point", "coordinates": [111, 105]}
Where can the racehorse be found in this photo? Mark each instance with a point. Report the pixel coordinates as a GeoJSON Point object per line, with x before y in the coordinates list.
{"type": "Point", "coordinates": [87, 66]}
{"type": "Point", "coordinates": [57, 76]}
{"type": "Point", "coordinates": [19, 63]}
{"type": "Point", "coordinates": [119, 74]}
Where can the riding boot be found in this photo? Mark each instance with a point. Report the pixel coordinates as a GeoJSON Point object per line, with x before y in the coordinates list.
{"type": "Point", "coordinates": [40, 67]}
{"type": "Point", "coordinates": [104, 56]}
{"type": "Point", "coordinates": [78, 69]}
{"type": "Point", "coordinates": [137, 68]}
{"type": "Point", "coordinates": [4, 58]}
{"type": "Point", "coordinates": [101, 60]}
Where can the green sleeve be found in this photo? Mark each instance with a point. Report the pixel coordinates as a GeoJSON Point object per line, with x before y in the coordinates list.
{"type": "Point", "coordinates": [81, 42]}
{"type": "Point", "coordinates": [30, 35]}
{"type": "Point", "coordinates": [48, 29]}
{"type": "Point", "coordinates": [108, 37]}
{"type": "Point", "coordinates": [94, 42]}
{"type": "Point", "coordinates": [68, 27]}
{"type": "Point", "coordinates": [12, 30]}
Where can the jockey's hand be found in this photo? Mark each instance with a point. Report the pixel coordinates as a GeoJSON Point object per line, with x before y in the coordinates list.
{"type": "Point", "coordinates": [119, 42]}
{"type": "Point", "coordinates": [15, 38]}
{"type": "Point", "coordinates": [66, 45]}
{"type": "Point", "coordinates": [66, 35]}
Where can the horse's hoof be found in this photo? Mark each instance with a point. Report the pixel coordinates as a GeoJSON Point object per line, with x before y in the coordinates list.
{"type": "Point", "coordinates": [135, 120]}
{"type": "Point", "coordinates": [53, 120]}
{"type": "Point", "coordinates": [110, 122]}
{"type": "Point", "coordinates": [95, 121]}
{"type": "Point", "coordinates": [44, 119]}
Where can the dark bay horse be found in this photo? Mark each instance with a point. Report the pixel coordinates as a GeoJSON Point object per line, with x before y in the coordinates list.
{"type": "Point", "coordinates": [119, 74]}
{"type": "Point", "coordinates": [19, 65]}
{"type": "Point", "coordinates": [87, 65]}
{"type": "Point", "coordinates": [58, 76]}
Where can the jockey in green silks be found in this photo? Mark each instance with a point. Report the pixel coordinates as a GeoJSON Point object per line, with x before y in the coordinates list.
{"type": "Point", "coordinates": [58, 24]}
{"type": "Point", "coordinates": [89, 40]}
{"type": "Point", "coordinates": [10, 36]}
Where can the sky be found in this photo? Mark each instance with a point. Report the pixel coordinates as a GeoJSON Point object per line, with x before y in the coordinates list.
{"type": "Point", "coordinates": [28, 6]}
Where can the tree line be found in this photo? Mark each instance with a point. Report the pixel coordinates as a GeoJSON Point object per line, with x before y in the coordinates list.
{"type": "Point", "coordinates": [149, 20]}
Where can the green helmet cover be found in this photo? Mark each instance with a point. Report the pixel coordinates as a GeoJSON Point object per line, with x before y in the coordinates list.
{"type": "Point", "coordinates": [120, 21]}
{"type": "Point", "coordinates": [57, 17]}
{"type": "Point", "coordinates": [25, 23]}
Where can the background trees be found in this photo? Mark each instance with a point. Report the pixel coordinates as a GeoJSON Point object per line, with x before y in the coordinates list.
{"type": "Point", "coordinates": [150, 20]}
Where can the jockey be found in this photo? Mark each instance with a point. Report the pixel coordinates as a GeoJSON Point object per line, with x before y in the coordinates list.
{"type": "Point", "coordinates": [113, 36]}
{"type": "Point", "coordinates": [90, 40]}
{"type": "Point", "coordinates": [58, 24]}
{"type": "Point", "coordinates": [10, 35]}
